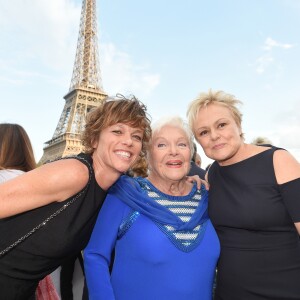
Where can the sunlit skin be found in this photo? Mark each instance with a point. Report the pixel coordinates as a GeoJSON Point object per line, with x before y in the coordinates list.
{"type": "Point", "coordinates": [116, 149]}
{"type": "Point", "coordinates": [219, 135]}
{"type": "Point", "coordinates": [123, 145]}
{"type": "Point", "coordinates": [169, 160]}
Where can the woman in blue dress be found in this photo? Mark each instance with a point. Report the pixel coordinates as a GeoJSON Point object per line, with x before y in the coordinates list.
{"type": "Point", "coordinates": [165, 245]}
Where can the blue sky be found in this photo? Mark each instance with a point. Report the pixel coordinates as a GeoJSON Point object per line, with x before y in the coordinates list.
{"type": "Point", "coordinates": [164, 52]}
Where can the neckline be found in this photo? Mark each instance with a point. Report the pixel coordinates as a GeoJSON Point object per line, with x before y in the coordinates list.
{"type": "Point", "coordinates": [168, 196]}
{"type": "Point", "coordinates": [246, 159]}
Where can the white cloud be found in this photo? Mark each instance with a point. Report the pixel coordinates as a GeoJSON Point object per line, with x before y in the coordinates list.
{"type": "Point", "coordinates": [39, 32]}
{"type": "Point", "coordinates": [270, 44]}
{"type": "Point", "coordinates": [51, 48]}
{"type": "Point", "coordinates": [122, 75]}
{"type": "Point", "coordinates": [281, 127]}
{"type": "Point", "coordinates": [11, 81]}
{"type": "Point", "coordinates": [288, 136]}
{"type": "Point", "coordinates": [263, 62]}
{"type": "Point", "coordinates": [267, 58]}
{"type": "Point", "coordinates": [288, 126]}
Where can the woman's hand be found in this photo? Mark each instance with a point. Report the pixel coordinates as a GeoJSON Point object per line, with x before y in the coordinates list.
{"type": "Point", "coordinates": [198, 180]}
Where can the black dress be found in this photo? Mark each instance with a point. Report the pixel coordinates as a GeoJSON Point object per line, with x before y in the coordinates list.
{"type": "Point", "coordinates": [195, 170]}
{"type": "Point", "coordinates": [63, 236]}
{"type": "Point", "coordinates": [253, 217]}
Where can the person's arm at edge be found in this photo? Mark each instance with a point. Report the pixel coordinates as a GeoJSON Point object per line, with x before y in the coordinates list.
{"type": "Point", "coordinates": [53, 182]}
{"type": "Point", "coordinates": [97, 254]}
{"type": "Point", "coordinates": [287, 168]}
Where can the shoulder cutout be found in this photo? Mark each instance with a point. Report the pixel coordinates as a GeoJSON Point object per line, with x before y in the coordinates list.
{"type": "Point", "coordinates": [286, 167]}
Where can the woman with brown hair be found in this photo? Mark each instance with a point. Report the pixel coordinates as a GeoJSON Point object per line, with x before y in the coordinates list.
{"type": "Point", "coordinates": [47, 214]}
{"type": "Point", "coordinates": [16, 154]}
{"type": "Point", "coordinates": [17, 157]}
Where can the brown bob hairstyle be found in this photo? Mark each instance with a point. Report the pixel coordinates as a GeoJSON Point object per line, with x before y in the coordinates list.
{"type": "Point", "coordinates": [115, 110]}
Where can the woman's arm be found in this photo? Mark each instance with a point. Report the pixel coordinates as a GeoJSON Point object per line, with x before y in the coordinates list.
{"type": "Point", "coordinates": [287, 172]}
{"type": "Point", "coordinates": [97, 254]}
{"type": "Point", "coordinates": [49, 183]}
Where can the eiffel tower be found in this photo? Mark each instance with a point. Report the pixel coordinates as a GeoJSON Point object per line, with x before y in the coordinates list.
{"type": "Point", "coordinates": [85, 90]}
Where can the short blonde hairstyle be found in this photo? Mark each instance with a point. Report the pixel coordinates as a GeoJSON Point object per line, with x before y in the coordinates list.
{"type": "Point", "coordinates": [177, 122]}
{"type": "Point", "coordinates": [214, 97]}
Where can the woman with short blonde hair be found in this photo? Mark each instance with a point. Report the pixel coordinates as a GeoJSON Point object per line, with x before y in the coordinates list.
{"type": "Point", "coordinates": [253, 204]}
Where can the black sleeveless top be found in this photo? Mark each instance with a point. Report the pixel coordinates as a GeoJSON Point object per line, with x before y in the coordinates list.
{"type": "Point", "coordinates": [65, 235]}
{"type": "Point", "coordinates": [254, 219]}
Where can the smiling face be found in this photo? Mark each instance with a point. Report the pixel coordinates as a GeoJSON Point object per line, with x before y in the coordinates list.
{"type": "Point", "coordinates": [218, 133]}
{"type": "Point", "coordinates": [117, 147]}
{"type": "Point", "coordinates": [170, 154]}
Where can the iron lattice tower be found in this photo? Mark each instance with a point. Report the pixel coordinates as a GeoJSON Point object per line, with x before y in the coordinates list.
{"type": "Point", "coordinates": [85, 90]}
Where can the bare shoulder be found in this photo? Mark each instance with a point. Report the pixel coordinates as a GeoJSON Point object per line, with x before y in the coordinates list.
{"type": "Point", "coordinates": [77, 172]}
{"type": "Point", "coordinates": [53, 182]}
{"type": "Point", "coordinates": [68, 176]}
{"type": "Point", "coordinates": [286, 166]}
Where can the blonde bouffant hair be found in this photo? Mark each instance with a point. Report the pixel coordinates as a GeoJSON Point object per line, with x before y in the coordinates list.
{"type": "Point", "coordinates": [214, 97]}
